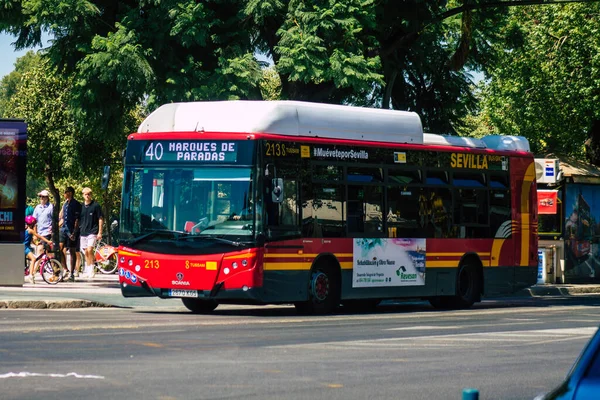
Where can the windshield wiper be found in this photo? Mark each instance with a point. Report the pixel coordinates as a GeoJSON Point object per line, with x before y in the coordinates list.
{"type": "Point", "coordinates": [218, 239]}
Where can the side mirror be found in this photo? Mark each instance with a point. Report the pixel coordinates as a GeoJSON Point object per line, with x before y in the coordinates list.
{"type": "Point", "coordinates": [277, 190]}
{"type": "Point", "coordinates": [105, 177]}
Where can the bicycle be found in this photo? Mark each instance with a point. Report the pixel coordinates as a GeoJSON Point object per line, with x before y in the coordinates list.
{"type": "Point", "coordinates": [51, 269]}
{"type": "Point", "coordinates": [105, 258]}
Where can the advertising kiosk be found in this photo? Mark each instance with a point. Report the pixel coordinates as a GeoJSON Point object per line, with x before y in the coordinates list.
{"type": "Point", "coordinates": [13, 157]}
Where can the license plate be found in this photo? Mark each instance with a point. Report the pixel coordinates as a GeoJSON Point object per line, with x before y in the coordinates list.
{"type": "Point", "coordinates": [183, 293]}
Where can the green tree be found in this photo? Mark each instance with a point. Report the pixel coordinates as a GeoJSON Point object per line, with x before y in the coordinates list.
{"type": "Point", "coordinates": [545, 83]}
{"type": "Point", "coordinates": [403, 54]}
{"type": "Point", "coordinates": [119, 55]}
{"type": "Point", "coordinates": [270, 85]}
{"type": "Point", "coordinates": [9, 83]}
{"type": "Point", "coordinates": [41, 98]}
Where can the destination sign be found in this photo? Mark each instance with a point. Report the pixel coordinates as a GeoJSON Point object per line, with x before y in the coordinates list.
{"type": "Point", "coordinates": [190, 151]}
{"type": "Point", "coordinates": [477, 161]}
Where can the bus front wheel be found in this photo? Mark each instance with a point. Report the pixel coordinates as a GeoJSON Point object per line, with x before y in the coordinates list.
{"type": "Point", "coordinates": [323, 291]}
{"type": "Point", "coordinates": [198, 306]}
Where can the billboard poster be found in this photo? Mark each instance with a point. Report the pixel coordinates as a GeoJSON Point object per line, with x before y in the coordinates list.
{"type": "Point", "coordinates": [382, 262]}
{"type": "Point", "coordinates": [13, 152]}
{"type": "Point", "coordinates": [582, 228]}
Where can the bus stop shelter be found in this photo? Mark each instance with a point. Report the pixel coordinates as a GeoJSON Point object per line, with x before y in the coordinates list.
{"type": "Point", "coordinates": [569, 221]}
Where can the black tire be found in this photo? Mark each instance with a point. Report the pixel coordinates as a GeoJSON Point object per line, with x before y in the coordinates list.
{"type": "Point", "coordinates": [323, 291]}
{"type": "Point", "coordinates": [199, 306]}
{"type": "Point", "coordinates": [109, 266]}
{"type": "Point", "coordinates": [51, 271]}
{"type": "Point", "coordinates": [468, 290]}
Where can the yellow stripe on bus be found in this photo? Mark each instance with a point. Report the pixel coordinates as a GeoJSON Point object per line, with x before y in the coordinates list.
{"type": "Point", "coordinates": [287, 266]}
{"type": "Point", "coordinates": [525, 212]}
{"type": "Point", "coordinates": [126, 253]}
{"type": "Point", "coordinates": [483, 254]}
{"type": "Point", "coordinates": [291, 255]}
{"type": "Point", "coordinates": [276, 255]}
{"type": "Point", "coordinates": [496, 247]}
{"type": "Point", "coordinates": [441, 264]}
{"type": "Point", "coordinates": [297, 266]}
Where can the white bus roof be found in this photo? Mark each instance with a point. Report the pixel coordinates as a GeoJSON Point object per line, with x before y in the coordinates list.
{"type": "Point", "coordinates": [293, 118]}
{"type": "Point", "coordinates": [298, 118]}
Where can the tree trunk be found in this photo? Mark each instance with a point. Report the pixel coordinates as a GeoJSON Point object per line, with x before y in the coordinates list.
{"type": "Point", "coordinates": [56, 204]}
{"type": "Point", "coordinates": [385, 103]}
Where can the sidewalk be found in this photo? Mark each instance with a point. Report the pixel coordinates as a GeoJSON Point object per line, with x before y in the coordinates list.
{"type": "Point", "coordinates": [104, 291]}
{"type": "Point", "coordinates": [561, 290]}
{"type": "Point", "coordinates": [100, 291]}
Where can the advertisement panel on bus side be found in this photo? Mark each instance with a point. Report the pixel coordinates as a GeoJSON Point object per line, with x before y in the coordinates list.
{"type": "Point", "coordinates": [389, 262]}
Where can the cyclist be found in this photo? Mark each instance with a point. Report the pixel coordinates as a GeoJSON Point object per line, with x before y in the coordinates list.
{"type": "Point", "coordinates": [30, 233]}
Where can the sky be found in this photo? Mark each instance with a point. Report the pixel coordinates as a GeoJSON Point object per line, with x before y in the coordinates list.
{"type": "Point", "coordinates": [8, 55]}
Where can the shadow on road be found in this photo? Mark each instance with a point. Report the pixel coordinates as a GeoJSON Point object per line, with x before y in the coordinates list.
{"type": "Point", "coordinates": [391, 307]}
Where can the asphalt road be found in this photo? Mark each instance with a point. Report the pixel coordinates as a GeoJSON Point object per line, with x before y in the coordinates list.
{"type": "Point", "coordinates": [508, 350]}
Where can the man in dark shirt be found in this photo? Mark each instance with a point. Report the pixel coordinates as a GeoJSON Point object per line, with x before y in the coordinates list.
{"type": "Point", "coordinates": [69, 229]}
{"type": "Point", "coordinates": [91, 229]}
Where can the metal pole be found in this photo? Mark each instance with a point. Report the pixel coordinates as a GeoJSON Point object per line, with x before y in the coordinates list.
{"type": "Point", "coordinates": [470, 394]}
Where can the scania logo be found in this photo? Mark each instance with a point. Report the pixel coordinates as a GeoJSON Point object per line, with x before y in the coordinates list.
{"type": "Point", "coordinates": [179, 276]}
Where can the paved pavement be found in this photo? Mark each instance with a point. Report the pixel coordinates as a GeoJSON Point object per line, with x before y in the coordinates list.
{"type": "Point", "coordinates": [104, 291]}
{"type": "Point", "coordinates": [100, 291]}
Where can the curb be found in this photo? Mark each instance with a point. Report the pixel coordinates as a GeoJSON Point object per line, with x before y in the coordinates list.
{"type": "Point", "coordinates": [563, 291]}
{"type": "Point", "coordinates": [52, 304]}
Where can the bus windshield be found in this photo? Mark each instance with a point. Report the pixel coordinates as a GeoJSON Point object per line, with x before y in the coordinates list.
{"type": "Point", "coordinates": [176, 203]}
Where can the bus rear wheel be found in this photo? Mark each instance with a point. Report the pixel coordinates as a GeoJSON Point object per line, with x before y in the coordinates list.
{"type": "Point", "coordinates": [199, 306]}
{"type": "Point", "coordinates": [323, 291]}
{"type": "Point", "coordinates": [468, 290]}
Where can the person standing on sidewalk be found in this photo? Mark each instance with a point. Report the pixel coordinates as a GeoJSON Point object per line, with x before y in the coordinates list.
{"type": "Point", "coordinates": [91, 229]}
{"type": "Point", "coordinates": [69, 230]}
{"type": "Point", "coordinates": [43, 215]}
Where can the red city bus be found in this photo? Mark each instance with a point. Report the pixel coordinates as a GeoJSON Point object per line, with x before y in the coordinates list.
{"type": "Point", "coordinates": [251, 202]}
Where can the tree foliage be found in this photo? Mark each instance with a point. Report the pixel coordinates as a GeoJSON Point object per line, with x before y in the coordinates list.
{"type": "Point", "coordinates": [403, 54]}
{"type": "Point", "coordinates": [544, 84]}
{"type": "Point", "coordinates": [41, 98]}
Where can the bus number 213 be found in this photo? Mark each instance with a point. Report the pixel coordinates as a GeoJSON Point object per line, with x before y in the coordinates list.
{"type": "Point", "coordinates": [276, 149]}
{"type": "Point", "coordinates": [151, 264]}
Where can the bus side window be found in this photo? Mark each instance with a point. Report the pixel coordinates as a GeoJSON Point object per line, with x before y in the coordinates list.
{"type": "Point", "coordinates": [440, 215]}
{"type": "Point", "coordinates": [323, 210]}
{"type": "Point", "coordinates": [403, 219]}
{"type": "Point", "coordinates": [365, 209]}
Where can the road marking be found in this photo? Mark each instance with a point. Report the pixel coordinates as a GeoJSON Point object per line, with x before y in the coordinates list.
{"type": "Point", "coordinates": [147, 344]}
{"type": "Point", "coordinates": [500, 339]}
{"type": "Point", "coordinates": [433, 328]}
{"type": "Point", "coordinates": [452, 317]}
{"type": "Point", "coordinates": [425, 328]}
{"type": "Point", "coordinates": [36, 374]}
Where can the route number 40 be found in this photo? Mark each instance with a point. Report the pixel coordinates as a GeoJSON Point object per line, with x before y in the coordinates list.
{"type": "Point", "coordinates": [155, 151]}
